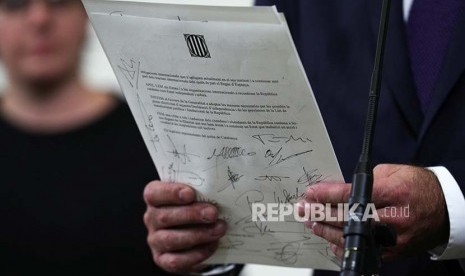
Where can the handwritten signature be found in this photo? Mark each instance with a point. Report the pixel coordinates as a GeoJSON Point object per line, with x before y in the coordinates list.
{"type": "Point", "coordinates": [288, 197]}
{"type": "Point", "coordinates": [230, 152]}
{"type": "Point", "coordinates": [191, 177]}
{"type": "Point", "coordinates": [232, 179]}
{"type": "Point", "coordinates": [310, 178]}
{"type": "Point", "coordinates": [272, 138]}
{"type": "Point", "coordinates": [120, 13]}
{"type": "Point", "coordinates": [288, 253]}
{"type": "Point", "coordinates": [149, 124]}
{"type": "Point", "coordinates": [248, 225]}
{"type": "Point", "coordinates": [270, 178]}
{"type": "Point", "coordinates": [130, 71]}
{"type": "Point", "coordinates": [231, 244]}
{"type": "Point", "coordinates": [183, 156]}
{"type": "Point", "coordinates": [277, 157]}
{"type": "Point", "coordinates": [258, 227]}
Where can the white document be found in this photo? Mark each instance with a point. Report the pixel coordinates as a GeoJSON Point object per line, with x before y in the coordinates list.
{"type": "Point", "coordinates": [224, 105]}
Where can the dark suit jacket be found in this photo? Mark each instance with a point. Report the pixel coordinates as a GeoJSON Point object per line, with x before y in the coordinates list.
{"type": "Point", "coordinates": [336, 41]}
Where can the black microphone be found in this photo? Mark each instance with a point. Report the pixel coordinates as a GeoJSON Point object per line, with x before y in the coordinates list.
{"type": "Point", "coordinates": [361, 247]}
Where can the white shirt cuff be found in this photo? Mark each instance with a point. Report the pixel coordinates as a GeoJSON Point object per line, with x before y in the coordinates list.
{"type": "Point", "coordinates": [455, 248]}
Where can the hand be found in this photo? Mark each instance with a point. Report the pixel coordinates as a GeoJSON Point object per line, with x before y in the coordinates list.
{"type": "Point", "coordinates": [181, 233]}
{"type": "Point", "coordinates": [396, 188]}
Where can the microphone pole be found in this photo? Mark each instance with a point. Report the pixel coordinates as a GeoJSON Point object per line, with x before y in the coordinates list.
{"type": "Point", "coordinates": [361, 249]}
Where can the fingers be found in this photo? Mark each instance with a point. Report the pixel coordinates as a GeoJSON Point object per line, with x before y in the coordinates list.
{"type": "Point", "coordinates": [330, 233]}
{"type": "Point", "coordinates": [182, 233]}
{"type": "Point", "coordinates": [158, 193]}
{"type": "Point", "coordinates": [337, 250]}
{"type": "Point", "coordinates": [384, 190]}
{"type": "Point", "coordinates": [396, 188]}
{"type": "Point", "coordinates": [396, 216]}
{"type": "Point", "coordinates": [328, 193]}
{"type": "Point", "coordinates": [184, 261]}
{"type": "Point", "coordinates": [322, 213]}
{"type": "Point", "coordinates": [383, 193]}
{"type": "Point", "coordinates": [387, 254]}
{"type": "Point", "coordinates": [185, 238]}
{"type": "Point", "coordinates": [172, 216]}
{"type": "Point", "coordinates": [386, 170]}
{"type": "Point", "coordinates": [336, 242]}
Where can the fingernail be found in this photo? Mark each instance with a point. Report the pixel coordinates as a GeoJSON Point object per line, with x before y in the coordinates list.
{"type": "Point", "coordinates": [310, 195]}
{"type": "Point", "coordinates": [185, 195]}
{"type": "Point", "coordinates": [219, 229]}
{"type": "Point", "coordinates": [311, 225]}
{"type": "Point", "coordinates": [208, 214]}
{"type": "Point", "coordinates": [333, 247]}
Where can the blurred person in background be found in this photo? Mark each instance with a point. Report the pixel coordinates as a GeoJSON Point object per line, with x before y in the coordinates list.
{"type": "Point", "coordinates": [73, 164]}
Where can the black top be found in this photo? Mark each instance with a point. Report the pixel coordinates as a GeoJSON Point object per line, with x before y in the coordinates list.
{"type": "Point", "coordinates": [71, 203]}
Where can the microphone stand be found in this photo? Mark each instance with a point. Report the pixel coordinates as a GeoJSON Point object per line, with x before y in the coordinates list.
{"type": "Point", "coordinates": [363, 240]}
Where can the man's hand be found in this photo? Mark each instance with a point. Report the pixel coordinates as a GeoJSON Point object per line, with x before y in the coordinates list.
{"type": "Point", "coordinates": [181, 233]}
{"type": "Point", "coordinates": [395, 188]}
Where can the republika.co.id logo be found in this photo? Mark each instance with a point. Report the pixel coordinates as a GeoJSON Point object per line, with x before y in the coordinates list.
{"type": "Point", "coordinates": [342, 212]}
{"type": "Point", "coordinates": [197, 45]}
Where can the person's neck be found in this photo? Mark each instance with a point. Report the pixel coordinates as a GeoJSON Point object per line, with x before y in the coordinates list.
{"type": "Point", "coordinates": [53, 108]}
